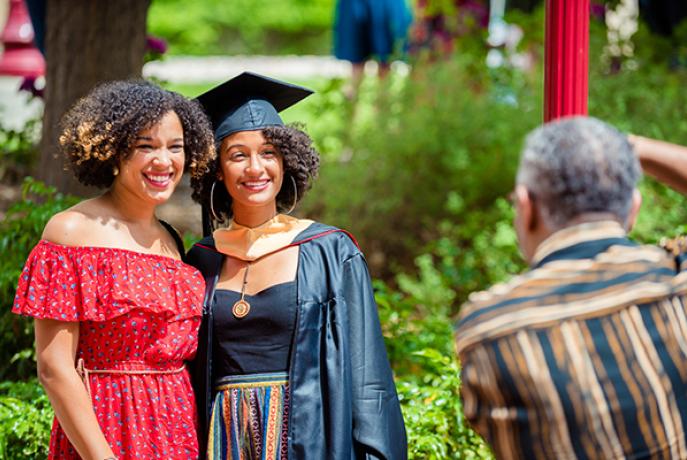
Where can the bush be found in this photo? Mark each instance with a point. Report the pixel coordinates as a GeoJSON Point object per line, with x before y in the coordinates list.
{"type": "Point", "coordinates": [18, 151]}
{"type": "Point", "coordinates": [433, 413]}
{"type": "Point", "coordinates": [25, 421]}
{"type": "Point", "coordinates": [442, 147]}
{"type": "Point", "coordinates": [242, 27]}
{"type": "Point", "coordinates": [19, 232]}
{"type": "Point", "coordinates": [419, 335]}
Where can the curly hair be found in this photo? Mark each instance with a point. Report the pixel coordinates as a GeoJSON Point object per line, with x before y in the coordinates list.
{"type": "Point", "coordinates": [100, 130]}
{"type": "Point", "coordinates": [301, 162]}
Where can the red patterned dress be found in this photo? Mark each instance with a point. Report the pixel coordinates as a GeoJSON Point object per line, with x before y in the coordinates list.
{"type": "Point", "coordinates": [139, 316]}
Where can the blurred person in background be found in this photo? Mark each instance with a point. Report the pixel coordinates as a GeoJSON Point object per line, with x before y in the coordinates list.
{"type": "Point", "coordinates": [370, 30]}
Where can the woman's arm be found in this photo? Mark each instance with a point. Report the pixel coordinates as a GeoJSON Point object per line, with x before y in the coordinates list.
{"type": "Point", "coordinates": [662, 160]}
{"type": "Point", "coordinates": [56, 343]}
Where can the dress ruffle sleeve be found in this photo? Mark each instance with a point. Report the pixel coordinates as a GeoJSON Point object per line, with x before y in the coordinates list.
{"type": "Point", "coordinates": [76, 283]}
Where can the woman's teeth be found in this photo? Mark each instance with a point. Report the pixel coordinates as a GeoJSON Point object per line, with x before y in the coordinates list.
{"type": "Point", "coordinates": [159, 179]}
{"type": "Point", "coordinates": [257, 184]}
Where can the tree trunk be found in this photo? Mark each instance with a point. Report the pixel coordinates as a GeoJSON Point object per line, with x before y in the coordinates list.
{"type": "Point", "coordinates": [86, 42]}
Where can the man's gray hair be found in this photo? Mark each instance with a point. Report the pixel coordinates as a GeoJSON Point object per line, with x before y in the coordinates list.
{"type": "Point", "coordinates": [579, 165]}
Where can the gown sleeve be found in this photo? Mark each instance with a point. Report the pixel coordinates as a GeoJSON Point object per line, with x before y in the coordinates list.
{"type": "Point", "coordinates": [378, 428]}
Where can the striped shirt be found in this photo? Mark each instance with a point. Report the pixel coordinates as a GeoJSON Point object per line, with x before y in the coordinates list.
{"type": "Point", "coordinates": [582, 357]}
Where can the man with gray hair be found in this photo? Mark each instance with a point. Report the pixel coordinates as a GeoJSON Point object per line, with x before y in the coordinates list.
{"type": "Point", "coordinates": [585, 355]}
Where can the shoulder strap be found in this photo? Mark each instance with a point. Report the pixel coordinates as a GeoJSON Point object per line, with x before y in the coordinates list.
{"type": "Point", "coordinates": [177, 239]}
{"type": "Point", "coordinates": [209, 261]}
{"type": "Point", "coordinates": [211, 277]}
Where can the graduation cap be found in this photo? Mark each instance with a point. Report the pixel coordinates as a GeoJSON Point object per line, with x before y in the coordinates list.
{"type": "Point", "coordinates": [249, 102]}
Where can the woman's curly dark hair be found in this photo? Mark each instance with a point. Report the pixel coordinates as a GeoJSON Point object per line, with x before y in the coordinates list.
{"type": "Point", "coordinates": [100, 130]}
{"type": "Point", "coordinates": [301, 162]}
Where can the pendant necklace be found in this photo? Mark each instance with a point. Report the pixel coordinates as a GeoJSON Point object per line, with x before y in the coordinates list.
{"type": "Point", "coordinates": [241, 307]}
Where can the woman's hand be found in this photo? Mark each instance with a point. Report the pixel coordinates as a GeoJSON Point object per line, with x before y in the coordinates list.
{"type": "Point", "coordinates": [56, 343]}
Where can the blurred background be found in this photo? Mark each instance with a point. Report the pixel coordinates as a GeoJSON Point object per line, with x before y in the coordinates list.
{"type": "Point", "coordinates": [416, 163]}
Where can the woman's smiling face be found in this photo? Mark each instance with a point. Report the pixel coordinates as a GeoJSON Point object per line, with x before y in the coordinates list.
{"type": "Point", "coordinates": [156, 165]}
{"type": "Point", "coordinates": [252, 171]}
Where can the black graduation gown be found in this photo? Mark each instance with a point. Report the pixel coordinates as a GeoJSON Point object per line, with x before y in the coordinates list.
{"type": "Point", "coordinates": [343, 402]}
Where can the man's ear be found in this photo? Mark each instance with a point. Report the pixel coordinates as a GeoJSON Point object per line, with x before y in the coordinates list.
{"type": "Point", "coordinates": [634, 209]}
{"type": "Point", "coordinates": [526, 207]}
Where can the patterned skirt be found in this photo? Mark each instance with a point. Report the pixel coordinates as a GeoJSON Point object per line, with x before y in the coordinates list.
{"type": "Point", "coordinates": [250, 418]}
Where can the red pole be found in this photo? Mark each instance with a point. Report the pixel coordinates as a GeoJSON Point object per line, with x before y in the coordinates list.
{"type": "Point", "coordinates": [566, 62]}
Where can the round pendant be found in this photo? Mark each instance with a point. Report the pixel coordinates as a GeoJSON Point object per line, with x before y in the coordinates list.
{"type": "Point", "coordinates": [240, 308]}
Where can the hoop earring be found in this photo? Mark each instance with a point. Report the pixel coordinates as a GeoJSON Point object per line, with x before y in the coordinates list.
{"type": "Point", "coordinates": [295, 196]}
{"type": "Point", "coordinates": [212, 203]}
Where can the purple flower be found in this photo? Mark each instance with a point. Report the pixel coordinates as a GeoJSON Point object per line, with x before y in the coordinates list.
{"type": "Point", "coordinates": [597, 10]}
{"type": "Point", "coordinates": [156, 45]}
{"type": "Point", "coordinates": [29, 84]}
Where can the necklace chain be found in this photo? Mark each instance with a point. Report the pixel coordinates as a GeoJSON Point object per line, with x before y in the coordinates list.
{"type": "Point", "coordinates": [241, 308]}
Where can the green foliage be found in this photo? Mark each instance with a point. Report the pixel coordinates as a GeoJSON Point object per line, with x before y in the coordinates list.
{"type": "Point", "coordinates": [18, 150]}
{"type": "Point", "coordinates": [189, 240]}
{"type": "Point", "coordinates": [433, 412]}
{"type": "Point", "coordinates": [19, 232]}
{"type": "Point", "coordinates": [663, 213]}
{"type": "Point", "coordinates": [440, 7]}
{"type": "Point", "coordinates": [243, 27]}
{"type": "Point", "coordinates": [25, 420]}
{"type": "Point", "coordinates": [439, 147]}
{"type": "Point", "coordinates": [631, 100]}
{"type": "Point", "coordinates": [477, 249]}
{"type": "Point", "coordinates": [419, 336]}
{"type": "Point", "coordinates": [414, 324]}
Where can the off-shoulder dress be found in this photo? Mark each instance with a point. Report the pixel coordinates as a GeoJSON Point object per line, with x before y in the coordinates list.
{"type": "Point", "coordinates": [139, 316]}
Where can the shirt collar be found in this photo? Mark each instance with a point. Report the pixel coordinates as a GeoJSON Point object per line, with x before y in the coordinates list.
{"type": "Point", "coordinates": [575, 234]}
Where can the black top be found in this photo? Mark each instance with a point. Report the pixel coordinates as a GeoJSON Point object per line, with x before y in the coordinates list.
{"type": "Point", "coordinates": [259, 342]}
